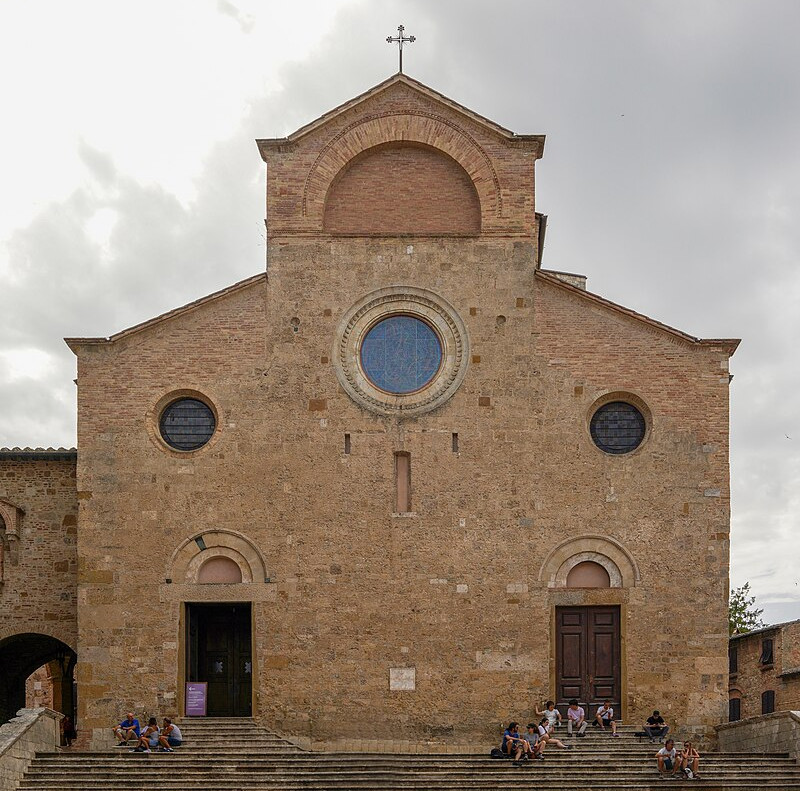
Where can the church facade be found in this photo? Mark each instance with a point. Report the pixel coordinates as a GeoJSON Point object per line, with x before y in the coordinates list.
{"type": "Point", "coordinates": [407, 483]}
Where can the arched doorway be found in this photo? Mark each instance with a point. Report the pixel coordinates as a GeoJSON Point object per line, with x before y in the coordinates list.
{"type": "Point", "coordinates": [21, 655]}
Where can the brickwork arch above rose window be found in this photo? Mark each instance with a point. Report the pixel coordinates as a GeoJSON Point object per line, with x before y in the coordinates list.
{"type": "Point", "coordinates": [427, 132]}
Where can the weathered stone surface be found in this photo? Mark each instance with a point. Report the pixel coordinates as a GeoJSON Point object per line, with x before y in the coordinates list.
{"type": "Point", "coordinates": [298, 482]}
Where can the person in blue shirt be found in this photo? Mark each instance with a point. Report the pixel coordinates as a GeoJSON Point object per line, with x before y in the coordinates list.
{"type": "Point", "coordinates": [127, 729]}
{"type": "Point", "coordinates": [513, 743]}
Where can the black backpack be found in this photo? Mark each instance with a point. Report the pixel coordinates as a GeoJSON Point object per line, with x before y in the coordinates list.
{"type": "Point", "coordinates": [496, 753]}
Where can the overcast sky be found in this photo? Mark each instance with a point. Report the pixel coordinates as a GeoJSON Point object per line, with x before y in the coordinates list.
{"type": "Point", "coordinates": [130, 183]}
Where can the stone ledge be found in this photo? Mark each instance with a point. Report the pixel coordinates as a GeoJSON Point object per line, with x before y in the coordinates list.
{"type": "Point", "coordinates": [31, 731]}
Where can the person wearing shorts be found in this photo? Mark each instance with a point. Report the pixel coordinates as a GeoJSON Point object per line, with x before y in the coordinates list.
{"type": "Point", "coordinates": [667, 758]}
{"type": "Point", "coordinates": [148, 741]}
{"type": "Point", "coordinates": [605, 718]}
{"type": "Point", "coordinates": [170, 736]}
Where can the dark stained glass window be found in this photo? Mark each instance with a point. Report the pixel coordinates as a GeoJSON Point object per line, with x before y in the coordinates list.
{"type": "Point", "coordinates": [187, 424]}
{"type": "Point", "coordinates": [617, 427]}
{"type": "Point", "coordinates": [401, 354]}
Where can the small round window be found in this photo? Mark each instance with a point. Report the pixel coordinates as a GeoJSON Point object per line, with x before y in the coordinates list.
{"type": "Point", "coordinates": [617, 427]}
{"type": "Point", "coordinates": [401, 354]}
{"type": "Point", "coordinates": [187, 424]}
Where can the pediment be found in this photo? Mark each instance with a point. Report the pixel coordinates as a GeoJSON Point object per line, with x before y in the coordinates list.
{"type": "Point", "coordinates": [397, 91]}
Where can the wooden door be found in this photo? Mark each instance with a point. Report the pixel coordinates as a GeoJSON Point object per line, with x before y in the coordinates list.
{"type": "Point", "coordinates": [588, 655]}
{"type": "Point", "coordinates": [220, 654]}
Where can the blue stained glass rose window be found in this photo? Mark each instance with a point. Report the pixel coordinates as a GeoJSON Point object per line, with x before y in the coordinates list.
{"type": "Point", "coordinates": [401, 354]}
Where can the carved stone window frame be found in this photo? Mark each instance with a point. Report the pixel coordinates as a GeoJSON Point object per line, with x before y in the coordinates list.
{"type": "Point", "coordinates": [401, 300]}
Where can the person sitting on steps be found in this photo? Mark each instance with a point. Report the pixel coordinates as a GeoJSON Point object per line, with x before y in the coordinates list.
{"type": "Point", "coordinates": [656, 728]}
{"type": "Point", "coordinates": [128, 729]}
{"type": "Point", "coordinates": [535, 743]}
{"type": "Point", "coordinates": [605, 718]}
{"type": "Point", "coordinates": [576, 719]}
{"type": "Point", "coordinates": [668, 761]}
{"type": "Point", "coordinates": [552, 713]}
{"type": "Point", "coordinates": [690, 761]}
{"type": "Point", "coordinates": [170, 736]}
{"type": "Point", "coordinates": [545, 731]}
{"type": "Point", "coordinates": [513, 745]}
{"type": "Point", "coordinates": [148, 741]}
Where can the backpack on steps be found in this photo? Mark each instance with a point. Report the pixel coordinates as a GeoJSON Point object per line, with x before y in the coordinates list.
{"type": "Point", "coordinates": [496, 753]}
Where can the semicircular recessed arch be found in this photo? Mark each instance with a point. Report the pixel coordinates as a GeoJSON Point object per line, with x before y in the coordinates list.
{"type": "Point", "coordinates": [622, 569]}
{"type": "Point", "coordinates": [408, 127]}
{"type": "Point", "coordinates": [189, 557]}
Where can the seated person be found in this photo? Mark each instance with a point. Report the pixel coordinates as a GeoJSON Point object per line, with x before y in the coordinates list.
{"type": "Point", "coordinates": [535, 744]}
{"type": "Point", "coordinates": [667, 758]}
{"type": "Point", "coordinates": [552, 713]}
{"type": "Point", "coordinates": [605, 718]}
{"type": "Point", "coordinates": [576, 718]}
{"type": "Point", "coordinates": [513, 744]}
{"type": "Point", "coordinates": [546, 737]}
{"type": "Point", "coordinates": [127, 729]}
{"type": "Point", "coordinates": [655, 727]}
{"type": "Point", "coordinates": [170, 736]}
{"type": "Point", "coordinates": [148, 741]}
{"type": "Point", "coordinates": [690, 760]}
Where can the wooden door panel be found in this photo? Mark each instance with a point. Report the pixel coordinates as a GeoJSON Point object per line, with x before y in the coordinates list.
{"type": "Point", "coordinates": [588, 655]}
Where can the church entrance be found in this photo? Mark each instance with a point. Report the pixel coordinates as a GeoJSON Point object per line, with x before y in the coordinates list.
{"type": "Point", "coordinates": [220, 653]}
{"type": "Point", "coordinates": [588, 655]}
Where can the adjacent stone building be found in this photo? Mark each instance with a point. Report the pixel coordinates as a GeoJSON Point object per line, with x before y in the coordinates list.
{"type": "Point", "coordinates": [407, 483]}
{"type": "Point", "coordinates": [764, 671]}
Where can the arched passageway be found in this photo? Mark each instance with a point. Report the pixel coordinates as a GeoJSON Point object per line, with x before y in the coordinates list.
{"type": "Point", "coordinates": [21, 655]}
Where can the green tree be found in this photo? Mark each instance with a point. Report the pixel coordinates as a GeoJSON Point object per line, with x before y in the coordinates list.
{"type": "Point", "coordinates": [743, 616]}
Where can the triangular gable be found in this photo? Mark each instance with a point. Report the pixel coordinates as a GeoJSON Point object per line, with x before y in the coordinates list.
{"type": "Point", "coordinates": [76, 343]}
{"type": "Point", "coordinates": [727, 344]}
{"type": "Point", "coordinates": [421, 88]}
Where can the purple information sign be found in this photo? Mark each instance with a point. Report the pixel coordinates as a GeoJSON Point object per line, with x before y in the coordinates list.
{"type": "Point", "coordinates": [196, 698]}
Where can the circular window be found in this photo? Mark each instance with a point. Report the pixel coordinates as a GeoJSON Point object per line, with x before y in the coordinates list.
{"type": "Point", "coordinates": [401, 354]}
{"type": "Point", "coordinates": [401, 351]}
{"type": "Point", "coordinates": [618, 427]}
{"type": "Point", "coordinates": [187, 424]}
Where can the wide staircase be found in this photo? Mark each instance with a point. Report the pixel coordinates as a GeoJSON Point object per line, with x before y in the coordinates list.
{"type": "Point", "coordinates": [238, 755]}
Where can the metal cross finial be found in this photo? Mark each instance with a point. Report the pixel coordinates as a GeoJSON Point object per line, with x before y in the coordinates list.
{"type": "Point", "coordinates": [400, 39]}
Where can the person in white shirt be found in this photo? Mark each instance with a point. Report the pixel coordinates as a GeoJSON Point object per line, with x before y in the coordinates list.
{"type": "Point", "coordinates": [605, 718]}
{"type": "Point", "coordinates": [546, 735]}
{"type": "Point", "coordinates": [552, 713]}
{"type": "Point", "coordinates": [576, 718]}
{"type": "Point", "coordinates": [667, 758]}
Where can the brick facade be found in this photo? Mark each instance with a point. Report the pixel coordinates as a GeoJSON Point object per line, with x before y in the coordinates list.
{"type": "Point", "coordinates": [753, 677]}
{"type": "Point", "coordinates": [436, 623]}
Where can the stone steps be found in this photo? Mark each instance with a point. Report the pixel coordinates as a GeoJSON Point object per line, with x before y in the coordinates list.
{"type": "Point", "coordinates": [233, 755]}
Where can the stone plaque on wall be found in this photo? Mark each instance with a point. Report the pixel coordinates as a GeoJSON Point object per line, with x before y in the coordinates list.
{"type": "Point", "coordinates": [403, 678]}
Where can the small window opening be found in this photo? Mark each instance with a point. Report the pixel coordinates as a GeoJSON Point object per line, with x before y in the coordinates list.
{"type": "Point", "coordinates": [768, 701]}
{"type": "Point", "coordinates": [402, 475]}
{"type": "Point", "coordinates": [766, 657]}
{"type": "Point", "coordinates": [455, 442]}
{"type": "Point", "coordinates": [733, 659]}
{"type": "Point", "coordinates": [347, 444]}
{"type": "Point", "coordinates": [734, 709]}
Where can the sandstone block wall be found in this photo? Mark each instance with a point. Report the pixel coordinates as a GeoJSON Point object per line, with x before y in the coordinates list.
{"type": "Point", "coordinates": [431, 625]}
{"type": "Point", "coordinates": [771, 733]}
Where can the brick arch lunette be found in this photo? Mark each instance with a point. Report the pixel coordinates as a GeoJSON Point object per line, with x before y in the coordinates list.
{"type": "Point", "coordinates": [403, 127]}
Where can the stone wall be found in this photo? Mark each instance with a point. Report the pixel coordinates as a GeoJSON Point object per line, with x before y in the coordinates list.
{"type": "Point", "coordinates": [770, 733]}
{"type": "Point", "coordinates": [31, 731]}
{"type": "Point", "coordinates": [431, 625]}
{"type": "Point", "coordinates": [781, 676]}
